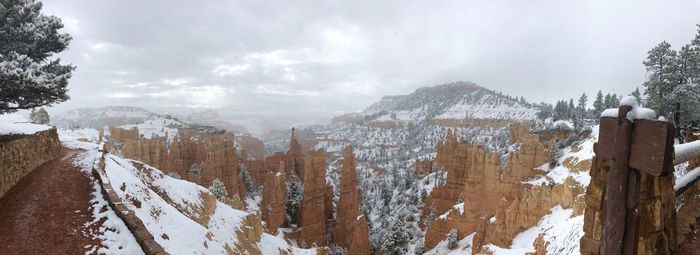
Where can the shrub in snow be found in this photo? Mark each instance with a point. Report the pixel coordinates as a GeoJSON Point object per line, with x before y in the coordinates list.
{"type": "Point", "coordinates": [30, 76]}
{"type": "Point", "coordinates": [219, 190]}
{"type": "Point", "coordinates": [452, 239]}
{"type": "Point", "coordinates": [40, 117]}
{"type": "Point", "coordinates": [420, 248]}
{"type": "Point", "coordinates": [174, 175]}
{"type": "Point", "coordinates": [337, 250]}
{"type": "Point", "coordinates": [195, 170]}
{"type": "Point", "coordinates": [295, 193]}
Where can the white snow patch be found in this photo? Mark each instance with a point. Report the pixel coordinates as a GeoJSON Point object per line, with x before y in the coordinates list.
{"type": "Point", "coordinates": [561, 231]}
{"type": "Point", "coordinates": [464, 247]}
{"type": "Point", "coordinates": [637, 113]}
{"type": "Point", "coordinates": [14, 123]}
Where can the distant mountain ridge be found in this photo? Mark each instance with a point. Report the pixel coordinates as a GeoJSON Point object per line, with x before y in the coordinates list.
{"type": "Point", "coordinates": [102, 116]}
{"type": "Point", "coordinates": [457, 100]}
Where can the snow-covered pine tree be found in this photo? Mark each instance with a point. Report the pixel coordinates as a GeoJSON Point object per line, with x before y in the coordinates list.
{"type": "Point", "coordinates": [219, 190]}
{"type": "Point", "coordinates": [195, 170]}
{"type": "Point", "coordinates": [598, 104]}
{"type": "Point", "coordinates": [40, 117]}
{"type": "Point", "coordinates": [571, 109]}
{"type": "Point", "coordinates": [637, 95]}
{"type": "Point", "coordinates": [337, 250]}
{"type": "Point", "coordinates": [452, 239]}
{"type": "Point", "coordinates": [582, 101]}
{"type": "Point", "coordinates": [248, 181]}
{"type": "Point", "coordinates": [396, 242]}
{"type": "Point", "coordinates": [295, 193]}
{"type": "Point", "coordinates": [28, 40]}
{"type": "Point", "coordinates": [661, 66]}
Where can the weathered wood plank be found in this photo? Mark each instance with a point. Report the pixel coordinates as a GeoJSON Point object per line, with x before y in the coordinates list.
{"type": "Point", "coordinates": [651, 143]}
{"type": "Point", "coordinates": [632, 217]}
{"type": "Point", "coordinates": [631, 232]}
{"type": "Point", "coordinates": [615, 210]}
{"type": "Point", "coordinates": [606, 137]}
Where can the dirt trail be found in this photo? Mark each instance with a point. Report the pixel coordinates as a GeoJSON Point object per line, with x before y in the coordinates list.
{"type": "Point", "coordinates": [46, 211]}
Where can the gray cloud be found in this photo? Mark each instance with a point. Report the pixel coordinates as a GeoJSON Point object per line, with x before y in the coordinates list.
{"type": "Point", "coordinates": [309, 60]}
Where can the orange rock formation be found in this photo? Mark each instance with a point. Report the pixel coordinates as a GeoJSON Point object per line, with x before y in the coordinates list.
{"type": "Point", "coordinates": [273, 200]}
{"type": "Point", "coordinates": [351, 230]}
{"type": "Point", "coordinates": [215, 153]}
{"type": "Point", "coordinates": [490, 189]}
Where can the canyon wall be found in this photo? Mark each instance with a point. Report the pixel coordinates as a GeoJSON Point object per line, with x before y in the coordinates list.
{"type": "Point", "coordinates": [20, 154]}
{"type": "Point", "coordinates": [200, 159]}
{"type": "Point", "coordinates": [498, 203]}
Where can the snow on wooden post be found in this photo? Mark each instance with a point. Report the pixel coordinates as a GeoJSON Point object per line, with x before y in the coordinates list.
{"type": "Point", "coordinates": [634, 142]}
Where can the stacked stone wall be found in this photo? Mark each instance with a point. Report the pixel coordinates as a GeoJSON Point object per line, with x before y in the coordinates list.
{"type": "Point", "coordinates": [20, 154]}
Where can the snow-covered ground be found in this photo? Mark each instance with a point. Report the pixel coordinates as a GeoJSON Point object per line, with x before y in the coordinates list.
{"type": "Point", "coordinates": [114, 235]}
{"type": "Point", "coordinates": [156, 127]}
{"type": "Point", "coordinates": [172, 210]}
{"type": "Point", "coordinates": [570, 156]}
{"type": "Point", "coordinates": [488, 107]}
{"type": "Point", "coordinates": [15, 123]}
{"type": "Point", "coordinates": [562, 233]}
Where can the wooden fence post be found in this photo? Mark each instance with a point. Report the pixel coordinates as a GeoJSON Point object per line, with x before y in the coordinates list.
{"type": "Point", "coordinates": [616, 195]}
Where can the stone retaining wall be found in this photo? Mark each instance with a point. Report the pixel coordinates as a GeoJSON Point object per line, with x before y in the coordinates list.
{"type": "Point", "coordinates": [657, 226]}
{"type": "Point", "coordinates": [20, 154]}
{"type": "Point", "coordinates": [135, 225]}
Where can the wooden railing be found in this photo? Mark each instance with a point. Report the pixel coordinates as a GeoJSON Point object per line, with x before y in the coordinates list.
{"type": "Point", "coordinates": [684, 153]}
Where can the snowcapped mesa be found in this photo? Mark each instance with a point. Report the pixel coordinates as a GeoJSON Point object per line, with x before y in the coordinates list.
{"type": "Point", "coordinates": [277, 127]}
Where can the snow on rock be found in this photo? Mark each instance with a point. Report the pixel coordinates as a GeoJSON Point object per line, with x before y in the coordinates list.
{"type": "Point", "coordinates": [561, 233]}
{"type": "Point", "coordinates": [16, 124]}
{"type": "Point", "coordinates": [464, 247]}
{"type": "Point", "coordinates": [156, 127]}
{"type": "Point", "coordinates": [182, 216]}
{"type": "Point", "coordinates": [571, 157]}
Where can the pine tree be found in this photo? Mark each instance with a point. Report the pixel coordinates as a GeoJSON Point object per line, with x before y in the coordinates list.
{"type": "Point", "coordinates": [29, 76]}
{"type": "Point", "coordinates": [294, 196]}
{"type": "Point", "coordinates": [40, 117]}
{"type": "Point", "coordinates": [570, 109]}
{"type": "Point", "coordinates": [607, 104]}
{"type": "Point", "coordinates": [661, 68]}
{"type": "Point", "coordinates": [452, 239]}
{"type": "Point", "coordinates": [195, 170]}
{"type": "Point", "coordinates": [219, 190]}
{"type": "Point", "coordinates": [637, 96]}
{"type": "Point", "coordinates": [248, 181]}
{"type": "Point", "coordinates": [582, 101]}
{"type": "Point", "coordinates": [396, 242]}
{"type": "Point", "coordinates": [598, 104]}
{"type": "Point", "coordinates": [614, 101]}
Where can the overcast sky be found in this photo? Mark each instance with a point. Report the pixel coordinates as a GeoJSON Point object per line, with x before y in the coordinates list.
{"type": "Point", "coordinates": [310, 60]}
